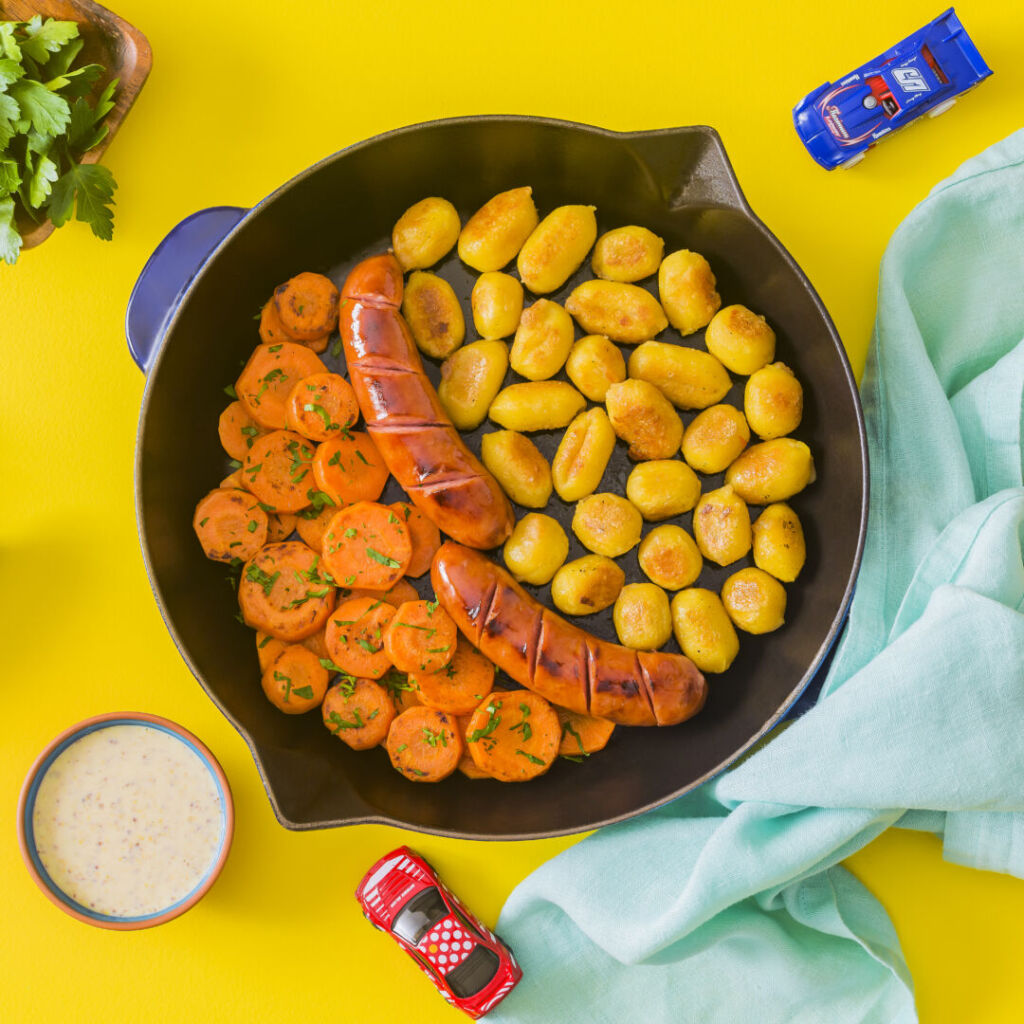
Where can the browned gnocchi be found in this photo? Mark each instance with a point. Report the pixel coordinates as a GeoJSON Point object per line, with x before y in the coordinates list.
{"type": "Point", "coordinates": [497, 304]}
{"type": "Point", "coordinates": [517, 464]}
{"type": "Point", "coordinates": [607, 524]}
{"type": "Point", "coordinates": [537, 548]}
{"type": "Point", "coordinates": [741, 340]}
{"type": "Point", "coordinates": [583, 455]}
{"type": "Point", "coordinates": [754, 600]}
{"type": "Point", "coordinates": [687, 377]}
{"type": "Point", "coordinates": [556, 248]}
{"type": "Point", "coordinates": [669, 556]}
{"type": "Point", "coordinates": [779, 546]}
{"type": "Point", "coordinates": [642, 617]}
{"type": "Point", "coordinates": [771, 471]}
{"type": "Point", "coordinates": [537, 405]}
{"type": "Point", "coordinates": [773, 401]}
{"type": "Point", "coordinates": [627, 254]}
{"type": "Point", "coordinates": [542, 342]}
{"type": "Point", "coordinates": [621, 312]}
{"type": "Point", "coordinates": [644, 418]}
{"type": "Point", "coordinates": [721, 526]}
{"type": "Point", "coordinates": [662, 488]}
{"type": "Point", "coordinates": [425, 233]}
{"type": "Point", "coordinates": [594, 364]}
{"type": "Point", "coordinates": [434, 315]}
{"type": "Point", "coordinates": [493, 236]}
{"type": "Point", "coordinates": [686, 286]}
{"type": "Point", "coordinates": [715, 438]}
{"type": "Point", "coordinates": [470, 378]}
{"type": "Point", "coordinates": [587, 585]}
{"type": "Point", "coordinates": [703, 629]}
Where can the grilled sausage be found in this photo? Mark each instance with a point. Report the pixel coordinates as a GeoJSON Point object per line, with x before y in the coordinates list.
{"type": "Point", "coordinates": [561, 662]}
{"type": "Point", "coordinates": [413, 434]}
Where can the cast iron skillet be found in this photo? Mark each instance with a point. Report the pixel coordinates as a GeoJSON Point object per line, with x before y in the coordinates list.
{"type": "Point", "coordinates": [190, 326]}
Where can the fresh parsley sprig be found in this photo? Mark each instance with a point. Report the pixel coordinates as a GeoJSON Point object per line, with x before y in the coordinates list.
{"type": "Point", "coordinates": [47, 125]}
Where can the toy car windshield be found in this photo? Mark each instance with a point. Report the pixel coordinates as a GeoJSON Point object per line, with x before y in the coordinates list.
{"type": "Point", "coordinates": [474, 973]}
{"type": "Point", "coordinates": [417, 917]}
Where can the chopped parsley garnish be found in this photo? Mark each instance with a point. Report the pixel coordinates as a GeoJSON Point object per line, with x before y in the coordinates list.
{"type": "Point", "coordinates": [340, 723]}
{"type": "Point", "coordinates": [530, 757]}
{"type": "Point", "coordinates": [230, 391]}
{"type": "Point", "coordinates": [322, 413]}
{"type": "Point", "coordinates": [366, 645]}
{"type": "Point", "coordinates": [568, 728]}
{"type": "Point", "coordinates": [306, 692]}
{"type": "Point", "coordinates": [493, 721]}
{"type": "Point", "coordinates": [434, 738]}
{"type": "Point", "coordinates": [253, 526]}
{"type": "Point", "coordinates": [385, 560]}
{"type": "Point", "coordinates": [523, 726]}
{"type": "Point", "coordinates": [350, 532]}
{"type": "Point", "coordinates": [256, 575]}
{"type": "Point", "coordinates": [361, 457]}
{"type": "Point", "coordinates": [203, 522]}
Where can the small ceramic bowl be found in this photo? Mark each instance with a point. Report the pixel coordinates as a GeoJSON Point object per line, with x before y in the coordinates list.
{"type": "Point", "coordinates": [26, 807]}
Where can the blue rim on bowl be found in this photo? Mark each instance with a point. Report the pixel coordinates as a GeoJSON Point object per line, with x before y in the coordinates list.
{"type": "Point", "coordinates": [26, 806]}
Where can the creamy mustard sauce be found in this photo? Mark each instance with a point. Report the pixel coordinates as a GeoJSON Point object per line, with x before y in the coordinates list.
{"type": "Point", "coordinates": [127, 820]}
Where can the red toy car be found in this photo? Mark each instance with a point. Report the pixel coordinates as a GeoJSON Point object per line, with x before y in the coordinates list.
{"type": "Point", "coordinates": [471, 967]}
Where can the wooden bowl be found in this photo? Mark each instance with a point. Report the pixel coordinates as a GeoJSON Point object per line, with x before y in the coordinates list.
{"type": "Point", "coordinates": [109, 40]}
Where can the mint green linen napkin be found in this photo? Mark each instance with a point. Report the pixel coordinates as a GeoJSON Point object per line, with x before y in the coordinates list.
{"type": "Point", "coordinates": [729, 905]}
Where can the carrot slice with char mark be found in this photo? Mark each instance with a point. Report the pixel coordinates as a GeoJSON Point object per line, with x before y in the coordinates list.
{"type": "Point", "coordinates": [307, 305]}
{"type": "Point", "coordinates": [268, 377]}
{"type": "Point", "coordinates": [282, 592]}
{"type": "Point", "coordinates": [238, 430]}
{"type": "Point", "coordinates": [278, 469]}
{"type": "Point", "coordinates": [280, 526]}
{"type": "Point", "coordinates": [295, 681]}
{"type": "Point", "coordinates": [349, 468]}
{"type": "Point", "coordinates": [460, 686]}
{"type": "Point", "coordinates": [234, 480]}
{"type": "Point", "coordinates": [267, 648]}
{"type": "Point", "coordinates": [582, 735]}
{"type": "Point", "coordinates": [355, 636]}
{"type": "Point", "coordinates": [321, 406]}
{"type": "Point", "coordinates": [359, 712]}
{"type": "Point", "coordinates": [421, 638]}
{"type": "Point", "coordinates": [230, 524]}
{"type": "Point", "coordinates": [425, 537]}
{"type": "Point", "coordinates": [366, 545]}
{"type": "Point", "coordinates": [514, 735]}
{"type": "Point", "coordinates": [424, 745]}
{"type": "Point", "coordinates": [272, 330]}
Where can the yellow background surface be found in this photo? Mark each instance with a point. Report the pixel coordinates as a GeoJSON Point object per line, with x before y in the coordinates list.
{"type": "Point", "coordinates": [241, 98]}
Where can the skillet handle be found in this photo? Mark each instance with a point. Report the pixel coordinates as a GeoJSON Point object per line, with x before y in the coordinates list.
{"type": "Point", "coordinates": [168, 273]}
{"type": "Point", "coordinates": [689, 166]}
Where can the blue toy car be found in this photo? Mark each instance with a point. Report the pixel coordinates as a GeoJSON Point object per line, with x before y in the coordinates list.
{"type": "Point", "coordinates": [924, 74]}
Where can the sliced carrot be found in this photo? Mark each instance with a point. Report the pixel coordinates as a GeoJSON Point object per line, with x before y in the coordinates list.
{"type": "Point", "coordinates": [281, 591]}
{"type": "Point", "coordinates": [277, 470]}
{"type": "Point", "coordinates": [295, 681]}
{"type": "Point", "coordinates": [425, 537]}
{"type": "Point", "coordinates": [280, 525]}
{"type": "Point", "coordinates": [230, 524]}
{"type": "Point", "coordinates": [514, 735]}
{"type": "Point", "coordinates": [421, 638]}
{"type": "Point", "coordinates": [267, 380]}
{"type": "Point", "coordinates": [401, 592]}
{"type": "Point", "coordinates": [460, 686]}
{"type": "Point", "coordinates": [355, 636]}
{"type": "Point", "coordinates": [238, 430]}
{"type": "Point", "coordinates": [401, 689]}
{"type": "Point", "coordinates": [236, 480]}
{"type": "Point", "coordinates": [466, 763]}
{"type": "Point", "coordinates": [366, 545]}
{"type": "Point", "coordinates": [321, 406]}
{"type": "Point", "coordinates": [271, 329]}
{"type": "Point", "coordinates": [267, 648]}
{"type": "Point", "coordinates": [582, 735]}
{"type": "Point", "coordinates": [317, 643]}
{"type": "Point", "coordinates": [307, 305]}
{"type": "Point", "coordinates": [424, 744]}
{"type": "Point", "coordinates": [312, 525]}
{"type": "Point", "coordinates": [349, 468]}
{"type": "Point", "coordinates": [359, 712]}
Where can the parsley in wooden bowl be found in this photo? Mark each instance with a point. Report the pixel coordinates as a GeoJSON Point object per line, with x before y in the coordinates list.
{"type": "Point", "coordinates": [69, 72]}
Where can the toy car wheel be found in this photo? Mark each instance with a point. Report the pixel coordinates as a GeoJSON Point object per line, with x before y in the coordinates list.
{"type": "Point", "coordinates": [941, 108]}
{"type": "Point", "coordinates": [846, 165]}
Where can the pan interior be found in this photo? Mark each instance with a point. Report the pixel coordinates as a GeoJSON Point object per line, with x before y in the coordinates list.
{"type": "Point", "coordinates": [674, 183]}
